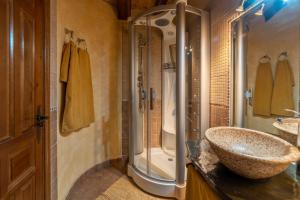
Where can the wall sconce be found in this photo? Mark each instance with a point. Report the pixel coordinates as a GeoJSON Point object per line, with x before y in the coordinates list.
{"type": "Point", "coordinates": [241, 7]}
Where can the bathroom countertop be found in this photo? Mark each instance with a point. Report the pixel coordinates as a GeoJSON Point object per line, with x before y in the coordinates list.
{"type": "Point", "coordinates": [231, 186]}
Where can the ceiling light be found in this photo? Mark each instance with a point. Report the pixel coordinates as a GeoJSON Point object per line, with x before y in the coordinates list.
{"type": "Point", "coordinates": [260, 12]}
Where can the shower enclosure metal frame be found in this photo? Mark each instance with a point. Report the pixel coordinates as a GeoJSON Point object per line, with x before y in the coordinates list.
{"type": "Point", "coordinates": [152, 185]}
{"type": "Point", "coordinates": [238, 66]}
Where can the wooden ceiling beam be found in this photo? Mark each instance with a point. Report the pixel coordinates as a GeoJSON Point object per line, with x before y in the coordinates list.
{"type": "Point", "coordinates": [124, 9]}
{"type": "Point", "coordinates": [160, 2]}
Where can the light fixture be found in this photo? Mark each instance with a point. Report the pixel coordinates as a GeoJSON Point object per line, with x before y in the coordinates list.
{"type": "Point", "coordinates": [260, 12]}
{"type": "Point", "coordinates": [241, 7]}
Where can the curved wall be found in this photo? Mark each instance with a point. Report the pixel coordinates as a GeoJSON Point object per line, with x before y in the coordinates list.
{"type": "Point", "coordinates": [97, 23]}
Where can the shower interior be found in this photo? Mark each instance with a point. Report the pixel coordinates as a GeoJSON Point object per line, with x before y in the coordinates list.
{"type": "Point", "coordinates": [155, 59]}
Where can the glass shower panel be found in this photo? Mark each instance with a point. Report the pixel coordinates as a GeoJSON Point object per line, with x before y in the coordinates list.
{"type": "Point", "coordinates": [140, 63]}
{"type": "Point", "coordinates": [155, 59]}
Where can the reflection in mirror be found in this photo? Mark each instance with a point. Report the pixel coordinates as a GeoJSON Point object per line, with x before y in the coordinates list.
{"type": "Point", "coordinates": [266, 62]}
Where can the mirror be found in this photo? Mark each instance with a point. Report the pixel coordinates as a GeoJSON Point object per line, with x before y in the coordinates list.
{"type": "Point", "coordinates": [265, 66]}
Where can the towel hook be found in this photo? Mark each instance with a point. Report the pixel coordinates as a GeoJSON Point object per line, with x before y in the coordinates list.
{"type": "Point", "coordinates": [265, 57]}
{"type": "Point", "coordinates": [68, 31]}
{"type": "Point", "coordinates": [285, 54]}
{"type": "Point", "coordinates": [83, 42]}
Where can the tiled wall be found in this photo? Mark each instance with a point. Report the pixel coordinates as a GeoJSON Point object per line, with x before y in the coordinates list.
{"type": "Point", "coordinates": [126, 111]}
{"type": "Point", "coordinates": [222, 12]}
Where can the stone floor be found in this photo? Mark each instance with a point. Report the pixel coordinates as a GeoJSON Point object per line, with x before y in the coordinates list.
{"type": "Point", "coordinates": [104, 184]}
{"type": "Point", "coordinates": [125, 189]}
{"type": "Point", "coordinates": [92, 184]}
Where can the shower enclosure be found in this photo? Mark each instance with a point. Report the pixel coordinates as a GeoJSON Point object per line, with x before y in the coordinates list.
{"type": "Point", "coordinates": [169, 94]}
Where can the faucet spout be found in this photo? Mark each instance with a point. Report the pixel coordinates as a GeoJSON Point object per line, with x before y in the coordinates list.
{"type": "Point", "coordinates": [297, 114]}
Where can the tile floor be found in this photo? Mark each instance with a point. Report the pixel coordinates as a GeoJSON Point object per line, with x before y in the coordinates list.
{"type": "Point", "coordinates": [124, 189]}
{"type": "Point", "coordinates": [93, 184]}
{"type": "Point", "coordinates": [107, 184]}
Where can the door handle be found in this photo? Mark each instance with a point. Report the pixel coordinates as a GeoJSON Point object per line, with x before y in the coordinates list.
{"type": "Point", "coordinates": [152, 98]}
{"type": "Point", "coordinates": [40, 119]}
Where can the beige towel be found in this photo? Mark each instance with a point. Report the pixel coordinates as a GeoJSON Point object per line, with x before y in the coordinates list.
{"type": "Point", "coordinates": [283, 89]}
{"type": "Point", "coordinates": [70, 74]}
{"type": "Point", "coordinates": [78, 109]}
{"type": "Point", "coordinates": [87, 87]}
{"type": "Point", "coordinates": [263, 90]}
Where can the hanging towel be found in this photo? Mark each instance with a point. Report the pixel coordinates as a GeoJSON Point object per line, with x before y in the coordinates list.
{"type": "Point", "coordinates": [70, 74]}
{"type": "Point", "coordinates": [283, 89]}
{"type": "Point", "coordinates": [263, 90]}
{"type": "Point", "coordinates": [88, 115]}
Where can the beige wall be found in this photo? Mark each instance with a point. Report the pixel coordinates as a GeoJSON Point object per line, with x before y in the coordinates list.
{"type": "Point", "coordinates": [281, 33]}
{"type": "Point", "coordinates": [222, 12]}
{"type": "Point", "coordinates": [96, 22]}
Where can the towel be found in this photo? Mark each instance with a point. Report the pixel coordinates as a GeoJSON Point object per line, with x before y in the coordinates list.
{"type": "Point", "coordinates": [263, 90]}
{"type": "Point", "coordinates": [70, 74]}
{"type": "Point", "coordinates": [88, 115]}
{"type": "Point", "coordinates": [283, 89]}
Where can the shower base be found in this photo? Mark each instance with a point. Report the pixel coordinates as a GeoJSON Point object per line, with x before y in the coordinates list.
{"type": "Point", "coordinates": [162, 164]}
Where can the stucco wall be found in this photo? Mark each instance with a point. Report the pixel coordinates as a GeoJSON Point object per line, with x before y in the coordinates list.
{"type": "Point", "coordinates": [281, 33]}
{"type": "Point", "coordinates": [96, 22]}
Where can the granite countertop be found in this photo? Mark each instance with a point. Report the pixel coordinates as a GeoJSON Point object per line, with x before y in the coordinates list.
{"type": "Point", "coordinates": [231, 186]}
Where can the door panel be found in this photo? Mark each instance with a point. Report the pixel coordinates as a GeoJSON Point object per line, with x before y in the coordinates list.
{"type": "Point", "coordinates": [22, 98]}
{"type": "Point", "coordinates": [21, 162]}
{"type": "Point", "coordinates": [25, 192]}
{"type": "Point", "coordinates": [4, 71]}
{"type": "Point", "coordinates": [24, 69]}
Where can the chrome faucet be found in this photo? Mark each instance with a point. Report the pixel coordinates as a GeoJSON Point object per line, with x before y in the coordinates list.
{"type": "Point", "coordinates": [296, 113]}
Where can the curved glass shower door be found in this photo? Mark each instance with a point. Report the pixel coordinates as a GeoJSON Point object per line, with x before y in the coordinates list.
{"type": "Point", "coordinates": [153, 36]}
{"type": "Point", "coordinates": [165, 70]}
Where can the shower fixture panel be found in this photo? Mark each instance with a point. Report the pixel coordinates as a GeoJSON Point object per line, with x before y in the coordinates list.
{"type": "Point", "coordinates": [162, 22]}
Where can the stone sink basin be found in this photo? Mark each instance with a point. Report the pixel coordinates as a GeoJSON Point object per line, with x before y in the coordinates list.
{"type": "Point", "coordinates": [288, 129]}
{"type": "Point", "coordinates": [249, 153]}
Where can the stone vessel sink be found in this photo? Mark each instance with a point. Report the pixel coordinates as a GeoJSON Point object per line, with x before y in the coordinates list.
{"type": "Point", "coordinates": [250, 153]}
{"type": "Point", "coordinates": [288, 129]}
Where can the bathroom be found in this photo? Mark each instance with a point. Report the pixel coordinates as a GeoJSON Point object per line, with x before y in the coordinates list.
{"type": "Point", "coordinates": [149, 99]}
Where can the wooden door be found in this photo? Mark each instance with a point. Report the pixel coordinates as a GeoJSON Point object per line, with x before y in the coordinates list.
{"type": "Point", "coordinates": [21, 99]}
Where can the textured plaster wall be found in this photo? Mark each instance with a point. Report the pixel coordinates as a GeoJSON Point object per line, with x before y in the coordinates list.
{"type": "Point", "coordinates": [281, 33]}
{"type": "Point", "coordinates": [96, 22]}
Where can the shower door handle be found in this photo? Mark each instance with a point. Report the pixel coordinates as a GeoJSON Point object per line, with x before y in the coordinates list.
{"type": "Point", "coordinates": [152, 98]}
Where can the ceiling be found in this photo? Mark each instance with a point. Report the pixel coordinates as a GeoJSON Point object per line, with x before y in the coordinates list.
{"type": "Point", "coordinates": [144, 4]}
{"type": "Point", "coordinates": [126, 6]}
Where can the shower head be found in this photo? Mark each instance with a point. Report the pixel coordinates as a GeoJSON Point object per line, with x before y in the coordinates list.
{"type": "Point", "coordinates": [162, 22]}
